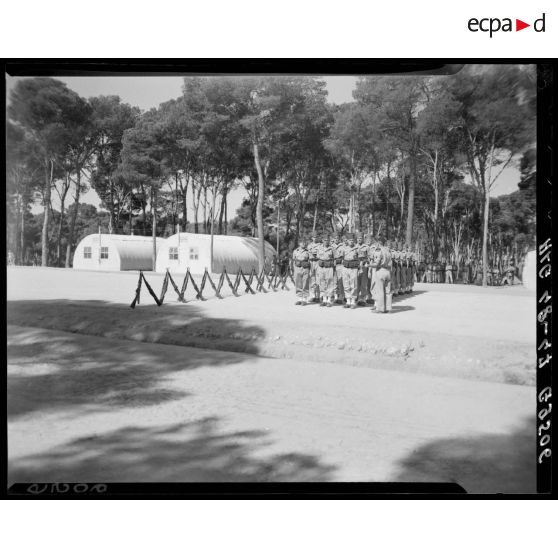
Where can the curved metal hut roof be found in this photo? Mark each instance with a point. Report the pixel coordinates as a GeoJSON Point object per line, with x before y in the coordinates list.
{"type": "Point", "coordinates": [229, 252]}
{"type": "Point", "coordinates": [134, 252]}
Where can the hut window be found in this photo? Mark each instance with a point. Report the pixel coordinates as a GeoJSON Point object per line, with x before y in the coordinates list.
{"type": "Point", "coordinates": [173, 253]}
{"type": "Point", "coordinates": [194, 253]}
{"type": "Point", "coordinates": [87, 252]}
{"type": "Point", "coordinates": [104, 252]}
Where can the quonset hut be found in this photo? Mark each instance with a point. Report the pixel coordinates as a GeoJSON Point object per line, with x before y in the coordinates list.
{"type": "Point", "coordinates": [115, 252]}
{"type": "Point", "coordinates": [189, 250]}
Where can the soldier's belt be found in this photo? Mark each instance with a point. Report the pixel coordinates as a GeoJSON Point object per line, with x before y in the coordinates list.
{"type": "Point", "coordinates": [325, 263]}
{"type": "Point", "coordinates": [302, 263]}
{"type": "Point", "coordinates": [338, 261]}
{"type": "Point", "coordinates": [313, 259]}
{"type": "Point", "coordinates": [351, 264]}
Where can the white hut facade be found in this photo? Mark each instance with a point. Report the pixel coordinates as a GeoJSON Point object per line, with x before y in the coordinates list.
{"type": "Point", "coordinates": [115, 252]}
{"type": "Point", "coordinates": [189, 250]}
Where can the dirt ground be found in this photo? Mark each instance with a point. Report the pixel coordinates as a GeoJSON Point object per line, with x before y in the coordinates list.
{"type": "Point", "coordinates": [253, 388]}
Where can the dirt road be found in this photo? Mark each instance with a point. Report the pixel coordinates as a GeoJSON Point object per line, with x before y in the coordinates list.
{"type": "Point", "coordinates": [85, 408]}
{"type": "Point", "coordinates": [253, 388]}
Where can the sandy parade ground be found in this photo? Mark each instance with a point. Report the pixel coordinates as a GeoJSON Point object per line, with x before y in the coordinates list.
{"type": "Point", "coordinates": [244, 388]}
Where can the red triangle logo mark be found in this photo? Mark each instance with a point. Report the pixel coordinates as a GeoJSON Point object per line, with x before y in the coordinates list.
{"type": "Point", "coordinates": [519, 25]}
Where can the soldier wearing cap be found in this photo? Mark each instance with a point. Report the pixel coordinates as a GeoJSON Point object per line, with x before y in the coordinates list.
{"type": "Point", "coordinates": [351, 263]}
{"type": "Point", "coordinates": [363, 295]}
{"type": "Point", "coordinates": [338, 255]}
{"type": "Point", "coordinates": [381, 262]}
{"type": "Point", "coordinates": [391, 246]}
{"type": "Point", "coordinates": [326, 271]}
{"type": "Point", "coordinates": [371, 269]}
{"type": "Point", "coordinates": [313, 247]}
{"type": "Point", "coordinates": [301, 265]}
{"type": "Point", "coordinates": [510, 273]}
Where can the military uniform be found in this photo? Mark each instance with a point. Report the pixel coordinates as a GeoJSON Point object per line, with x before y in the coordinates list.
{"type": "Point", "coordinates": [381, 261]}
{"type": "Point", "coordinates": [394, 275]}
{"type": "Point", "coordinates": [338, 252]}
{"type": "Point", "coordinates": [313, 248]}
{"type": "Point", "coordinates": [301, 264]}
{"type": "Point", "coordinates": [351, 264]}
{"type": "Point", "coordinates": [326, 272]}
{"type": "Point", "coordinates": [449, 272]}
{"type": "Point", "coordinates": [363, 279]}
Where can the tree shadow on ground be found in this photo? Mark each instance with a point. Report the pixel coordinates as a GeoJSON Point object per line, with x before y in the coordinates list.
{"type": "Point", "coordinates": [58, 370]}
{"type": "Point", "coordinates": [491, 463]}
{"type": "Point", "coordinates": [184, 452]}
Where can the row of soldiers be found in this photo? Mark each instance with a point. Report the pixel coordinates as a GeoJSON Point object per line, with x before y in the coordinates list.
{"type": "Point", "coordinates": [468, 272]}
{"type": "Point", "coordinates": [353, 270]}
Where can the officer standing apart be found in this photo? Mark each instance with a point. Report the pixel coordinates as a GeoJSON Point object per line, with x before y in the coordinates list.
{"type": "Point", "coordinates": [382, 279]}
{"type": "Point", "coordinates": [351, 264]}
{"type": "Point", "coordinates": [301, 264]}
{"type": "Point", "coordinates": [326, 273]}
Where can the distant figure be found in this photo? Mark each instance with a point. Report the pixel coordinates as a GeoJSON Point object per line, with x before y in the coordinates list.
{"type": "Point", "coordinates": [301, 263]}
{"type": "Point", "coordinates": [466, 272]}
{"type": "Point", "coordinates": [509, 277]}
{"type": "Point", "coordinates": [11, 258]}
{"type": "Point", "coordinates": [449, 272]}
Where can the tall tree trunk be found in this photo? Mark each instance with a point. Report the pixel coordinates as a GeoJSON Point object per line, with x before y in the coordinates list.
{"type": "Point", "coordinates": [226, 215]}
{"type": "Point", "coordinates": [259, 208]}
{"type": "Point", "coordinates": [143, 204]}
{"type": "Point", "coordinates": [154, 224]}
{"type": "Point", "coordinates": [485, 237]}
{"type": "Point", "coordinates": [46, 215]}
{"type": "Point", "coordinates": [22, 234]}
{"type": "Point", "coordinates": [411, 202]}
{"type": "Point", "coordinates": [74, 218]}
{"type": "Point", "coordinates": [388, 187]}
{"type": "Point", "coordinates": [59, 240]}
{"type": "Point", "coordinates": [111, 209]}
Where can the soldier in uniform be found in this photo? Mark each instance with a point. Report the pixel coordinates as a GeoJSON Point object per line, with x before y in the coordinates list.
{"type": "Point", "coordinates": [338, 252]}
{"type": "Point", "coordinates": [351, 264]}
{"type": "Point", "coordinates": [371, 269]}
{"type": "Point", "coordinates": [363, 280]}
{"type": "Point", "coordinates": [313, 247]}
{"type": "Point", "coordinates": [326, 271]}
{"type": "Point", "coordinates": [394, 268]}
{"type": "Point", "coordinates": [381, 262]}
{"type": "Point", "coordinates": [510, 273]}
{"type": "Point", "coordinates": [301, 265]}
{"type": "Point", "coordinates": [449, 271]}
{"type": "Point", "coordinates": [465, 272]}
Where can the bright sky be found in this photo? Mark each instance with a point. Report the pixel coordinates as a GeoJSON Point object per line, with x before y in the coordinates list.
{"type": "Point", "coordinates": [149, 91]}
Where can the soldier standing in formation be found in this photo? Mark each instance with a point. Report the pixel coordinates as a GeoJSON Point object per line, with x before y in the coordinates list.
{"type": "Point", "coordinates": [326, 271]}
{"type": "Point", "coordinates": [338, 252]}
{"type": "Point", "coordinates": [510, 274]}
{"type": "Point", "coordinates": [313, 247]}
{"type": "Point", "coordinates": [301, 263]}
{"type": "Point", "coordinates": [351, 264]}
{"type": "Point", "coordinates": [363, 295]}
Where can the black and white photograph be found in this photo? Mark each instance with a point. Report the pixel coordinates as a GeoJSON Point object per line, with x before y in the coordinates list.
{"type": "Point", "coordinates": [227, 278]}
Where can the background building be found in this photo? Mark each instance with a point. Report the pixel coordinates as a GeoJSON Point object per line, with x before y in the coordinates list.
{"type": "Point", "coordinates": [189, 250]}
{"type": "Point", "coordinates": [115, 252]}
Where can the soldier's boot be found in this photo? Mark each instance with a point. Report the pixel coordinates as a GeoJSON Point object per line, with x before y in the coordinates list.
{"type": "Point", "coordinates": [353, 303]}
